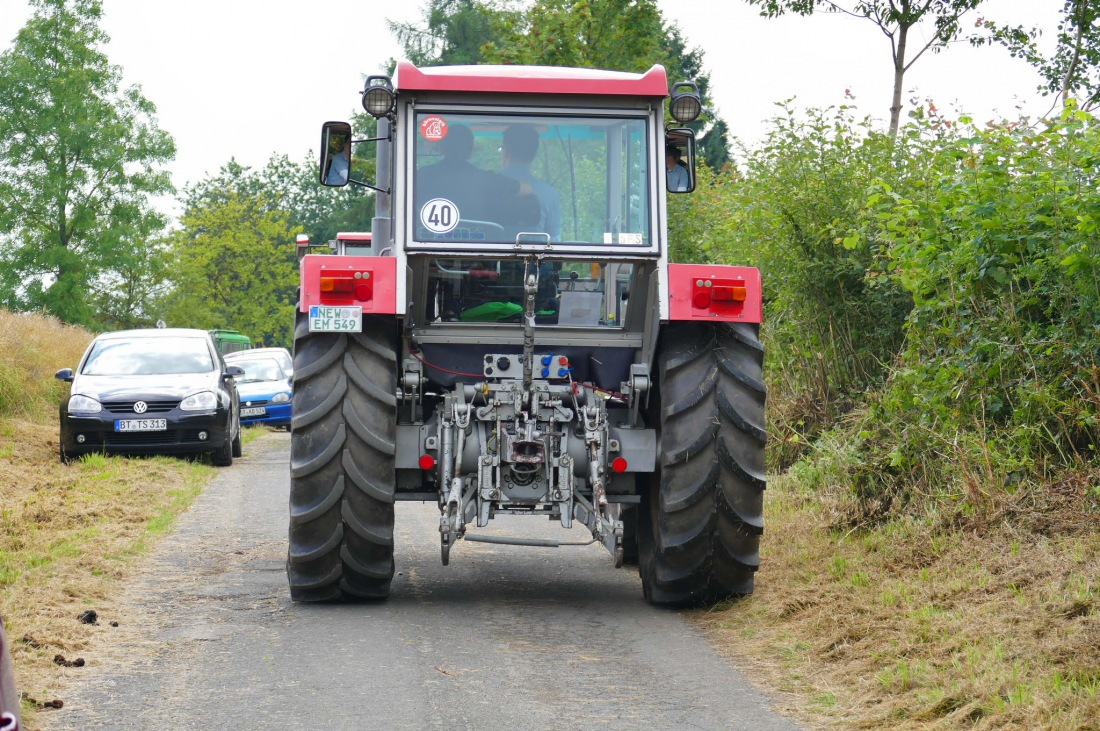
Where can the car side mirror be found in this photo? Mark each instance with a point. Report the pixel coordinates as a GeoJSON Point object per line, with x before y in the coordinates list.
{"type": "Point", "coordinates": [65, 374]}
{"type": "Point", "coordinates": [233, 371]}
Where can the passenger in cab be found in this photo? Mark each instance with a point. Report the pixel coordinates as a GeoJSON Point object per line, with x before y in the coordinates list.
{"type": "Point", "coordinates": [479, 195]}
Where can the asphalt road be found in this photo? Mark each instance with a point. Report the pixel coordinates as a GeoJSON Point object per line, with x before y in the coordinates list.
{"type": "Point", "coordinates": [506, 637]}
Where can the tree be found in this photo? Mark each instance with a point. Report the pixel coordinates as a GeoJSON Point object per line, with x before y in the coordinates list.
{"type": "Point", "coordinates": [1073, 69]}
{"type": "Point", "coordinates": [687, 65]}
{"type": "Point", "coordinates": [895, 18]}
{"type": "Point", "coordinates": [624, 35]}
{"type": "Point", "coordinates": [234, 265]}
{"type": "Point", "coordinates": [293, 188]}
{"type": "Point", "coordinates": [452, 33]}
{"type": "Point", "coordinates": [79, 159]}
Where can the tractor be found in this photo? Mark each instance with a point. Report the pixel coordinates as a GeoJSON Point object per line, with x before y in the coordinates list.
{"type": "Point", "coordinates": [511, 339]}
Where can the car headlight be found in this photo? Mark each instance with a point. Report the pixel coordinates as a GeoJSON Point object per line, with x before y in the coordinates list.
{"type": "Point", "coordinates": [84, 405]}
{"type": "Point", "coordinates": [201, 401]}
{"type": "Point", "coordinates": [280, 398]}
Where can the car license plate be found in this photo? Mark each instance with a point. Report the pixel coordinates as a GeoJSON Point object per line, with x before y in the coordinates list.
{"type": "Point", "coordinates": [253, 411]}
{"type": "Point", "coordinates": [335, 319]}
{"type": "Point", "coordinates": [141, 424]}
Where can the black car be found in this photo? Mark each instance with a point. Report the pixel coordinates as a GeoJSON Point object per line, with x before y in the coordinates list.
{"type": "Point", "coordinates": [162, 391]}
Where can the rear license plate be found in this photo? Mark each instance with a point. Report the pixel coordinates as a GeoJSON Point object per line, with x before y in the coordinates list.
{"type": "Point", "coordinates": [141, 425]}
{"type": "Point", "coordinates": [253, 411]}
{"type": "Point", "coordinates": [335, 319]}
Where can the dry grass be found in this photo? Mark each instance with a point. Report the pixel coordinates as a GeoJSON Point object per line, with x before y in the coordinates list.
{"type": "Point", "coordinates": [68, 536]}
{"type": "Point", "coordinates": [992, 624]}
{"type": "Point", "coordinates": [33, 348]}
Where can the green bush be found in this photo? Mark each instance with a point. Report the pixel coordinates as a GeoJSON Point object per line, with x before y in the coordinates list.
{"type": "Point", "coordinates": [833, 324]}
{"type": "Point", "coordinates": [1000, 255]}
{"type": "Point", "coordinates": [932, 302]}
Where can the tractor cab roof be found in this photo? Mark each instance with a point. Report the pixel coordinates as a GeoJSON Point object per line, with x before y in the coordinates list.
{"type": "Point", "coordinates": [531, 80]}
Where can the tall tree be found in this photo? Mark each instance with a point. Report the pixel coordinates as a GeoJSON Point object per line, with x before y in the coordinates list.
{"type": "Point", "coordinates": [686, 64]}
{"type": "Point", "coordinates": [79, 160]}
{"type": "Point", "coordinates": [612, 34]}
{"type": "Point", "coordinates": [1073, 69]}
{"type": "Point", "coordinates": [293, 188]}
{"type": "Point", "coordinates": [451, 32]}
{"type": "Point", "coordinates": [895, 19]}
{"type": "Point", "coordinates": [234, 266]}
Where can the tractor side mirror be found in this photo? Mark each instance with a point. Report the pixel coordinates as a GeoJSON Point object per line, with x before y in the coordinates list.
{"type": "Point", "coordinates": [335, 153]}
{"type": "Point", "coordinates": [680, 160]}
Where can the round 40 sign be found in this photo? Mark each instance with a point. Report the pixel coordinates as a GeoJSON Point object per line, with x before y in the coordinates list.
{"type": "Point", "coordinates": [439, 215]}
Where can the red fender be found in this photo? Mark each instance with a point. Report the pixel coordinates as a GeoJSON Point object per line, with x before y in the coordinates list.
{"type": "Point", "coordinates": [715, 292]}
{"type": "Point", "coordinates": [369, 282]}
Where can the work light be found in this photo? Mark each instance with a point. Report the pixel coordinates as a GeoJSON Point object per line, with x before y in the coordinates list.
{"type": "Point", "coordinates": [685, 105]}
{"type": "Point", "coordinates": [378, 96]}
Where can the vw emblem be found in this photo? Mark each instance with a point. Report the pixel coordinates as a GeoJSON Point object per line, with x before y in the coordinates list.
{"type": "Point", "coordinates": [247, 403]}
{"type": "Point", "coordinates": [140, 407]}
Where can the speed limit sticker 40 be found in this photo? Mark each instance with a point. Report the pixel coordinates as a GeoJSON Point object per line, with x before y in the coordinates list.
{"type": "Point", "coordinates": [439, 215]}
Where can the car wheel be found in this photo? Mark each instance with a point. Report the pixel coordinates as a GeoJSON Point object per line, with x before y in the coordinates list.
{"type": "Point", "coordinates": [237, 441]}
{"type": "Point", "coordinates": [223, 455]}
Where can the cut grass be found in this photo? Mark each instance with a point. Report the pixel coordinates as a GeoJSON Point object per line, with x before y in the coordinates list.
{"type": "Point", "coordinates": [907, 626]}
{"type": "Point", "coordinates": [68, 534]}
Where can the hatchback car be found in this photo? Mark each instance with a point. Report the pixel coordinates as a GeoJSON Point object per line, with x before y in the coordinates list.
{"type": "Point", "coordinates": [265, 391]}
{"type": "Point", "coordinates": [157, 391]}
{"type": "Point", "coordinates": [281, 355]}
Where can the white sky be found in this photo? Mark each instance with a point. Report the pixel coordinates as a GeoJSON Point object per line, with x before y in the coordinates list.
{"type": "Point", "coordinates": [251, 78]}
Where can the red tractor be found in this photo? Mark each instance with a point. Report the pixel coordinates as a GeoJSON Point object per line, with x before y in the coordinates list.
{"type": "Point", "coordinates": [511, 339]}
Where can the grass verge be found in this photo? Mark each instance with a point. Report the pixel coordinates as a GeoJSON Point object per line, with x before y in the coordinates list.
{"type": "Point", "coordinates": [984, 624]}
{"type": "Point", "coordinates": [68, 536]}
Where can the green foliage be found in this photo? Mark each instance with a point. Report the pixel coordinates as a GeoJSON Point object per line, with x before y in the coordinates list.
{"type": "Point", "coordinates": [234, 265]}
{"type": "Point", "coordinates": [834, 321]}
{"type": "Point", "coordinates": [992, 235]}
{"type": "Point", "coordinates": [452, 33]}
{"type": "Point", "coordinates": [609, 34]}
{"type": "Point", "coordinates": [1073, 69]}
{"type": "Point", "coordinates": [1001, 369]}
{"type": "Point", "coordinates": [293, 188]}
{"type": "Point", "coordinates": [894, 19]}
{"type": "Point", "coordinates": [79, 158]}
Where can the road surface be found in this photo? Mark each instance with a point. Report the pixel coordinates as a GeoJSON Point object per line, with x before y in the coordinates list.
{"type": "Point", "coordinates": [506, 637]}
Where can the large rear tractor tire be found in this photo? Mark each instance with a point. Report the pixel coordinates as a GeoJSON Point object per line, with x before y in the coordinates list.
{"type": "Point", "coordinates": [701, 518]}
{"type": "Point", "coordinates": [342, 476]}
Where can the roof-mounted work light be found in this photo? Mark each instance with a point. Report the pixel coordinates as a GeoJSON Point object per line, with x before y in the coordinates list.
{"type": "Point", "coordinates": [685, 105]}
{"type": "Point", "coordinates": [378, 96]}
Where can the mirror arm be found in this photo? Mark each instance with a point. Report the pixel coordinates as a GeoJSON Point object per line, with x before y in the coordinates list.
{"type": "Point", "coordinates": [387, 191]}
{"type": "Point", "coordinates": [364, 184]}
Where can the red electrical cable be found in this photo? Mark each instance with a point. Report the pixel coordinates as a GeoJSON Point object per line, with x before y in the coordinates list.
{"type": "Point", "coordinates": [445, 370]}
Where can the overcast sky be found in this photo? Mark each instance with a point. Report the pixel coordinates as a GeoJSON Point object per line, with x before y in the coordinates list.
{"type": "Point", "coordinates": [252, 78]}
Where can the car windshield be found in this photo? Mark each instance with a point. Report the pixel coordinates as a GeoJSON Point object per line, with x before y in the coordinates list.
{"type": "Point", "coordinates": [149, 356]}
{"type": "Point", "coordinates": [486, 178]}
{"type": "Point", "coordinates": [279, 356]}
{"type": "Point", "coordinates": [259, 370]}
